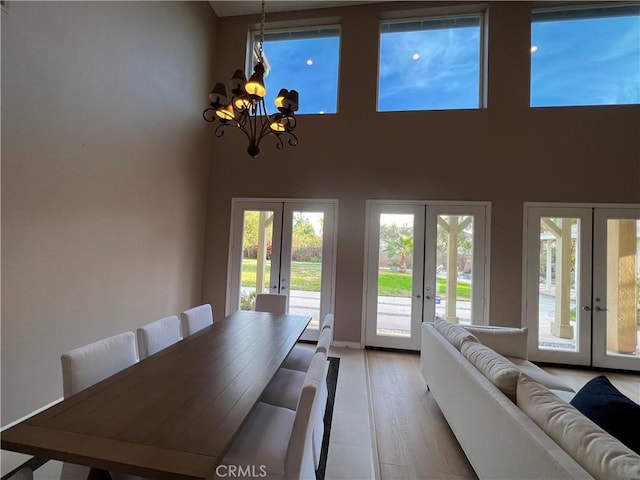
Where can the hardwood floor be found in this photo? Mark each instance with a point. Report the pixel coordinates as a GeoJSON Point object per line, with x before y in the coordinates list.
{"type": "Point", "coordinates": [412, 436]}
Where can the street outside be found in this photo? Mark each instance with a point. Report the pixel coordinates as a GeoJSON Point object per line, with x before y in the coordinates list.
{"type": "Point", "coordinates": [394, 316]}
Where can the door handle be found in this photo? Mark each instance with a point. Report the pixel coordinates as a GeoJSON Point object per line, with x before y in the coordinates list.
{"type": "Point", "coordinates": [586, 308]}
{"type": "Point", "coordinates": [598, 309]}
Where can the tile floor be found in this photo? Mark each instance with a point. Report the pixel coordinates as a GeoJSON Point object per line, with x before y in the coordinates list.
{"type": "Point", "coordinates": [351, 443]}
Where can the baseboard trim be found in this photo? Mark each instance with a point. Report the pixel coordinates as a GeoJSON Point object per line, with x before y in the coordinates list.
{"type": "Point", "coordinates": [342, 344]}
{"type": "Point", "coordinates": [388, 349]}
{"type": "Point", "coordinates": [29, 415]}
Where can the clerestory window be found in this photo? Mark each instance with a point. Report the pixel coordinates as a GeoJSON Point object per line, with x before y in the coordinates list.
{"type": "Point", "coordinates": [305, 60]}
{"type": "Point", "coordinates": [585, 56]}
{"type": "Point", "coordinates": [431, 64]}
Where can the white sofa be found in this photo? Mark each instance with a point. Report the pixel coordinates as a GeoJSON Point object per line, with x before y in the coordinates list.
{"type": "Point", "coordinates": [500, 440]}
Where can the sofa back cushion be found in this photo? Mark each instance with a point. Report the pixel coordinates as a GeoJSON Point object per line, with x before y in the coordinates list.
{"type": "Point", "coordinates": [599, 453]}
{"type": "Point", "coordinates": [510, 342]}
{"type": "Point", "coordinates": [500, 371]}
{"type": "Point", "coordinates": [541, 376]}
{"type": "Point", "coordinates": [455, 334]}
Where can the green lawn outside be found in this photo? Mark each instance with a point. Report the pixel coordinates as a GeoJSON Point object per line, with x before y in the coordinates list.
{"type": "Point", "coordinates": [306, 276]}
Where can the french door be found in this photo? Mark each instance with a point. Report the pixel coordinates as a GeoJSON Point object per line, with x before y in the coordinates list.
{"type": "Point", "coordinates": [581, 285]}
{"type": "Point", "coordinates": [422, 260]}
{"type": "Point", "coordinates": [282, 246]}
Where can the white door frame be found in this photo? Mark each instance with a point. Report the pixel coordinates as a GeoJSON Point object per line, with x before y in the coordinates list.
{"type": "Point", "coordinates": [531, 284]}
{"type": "Point", "coordinates": [279, 206]}
{"type": "Point", "coordinates": [599, 300]}
{"type": "Point", "coordinates": [374, 210]}
{"type": "Point", "coordinates": [592, 341]}
{"type": "Point", "coordinates": [369, 298]}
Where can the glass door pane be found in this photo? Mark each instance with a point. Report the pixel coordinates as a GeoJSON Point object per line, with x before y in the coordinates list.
{"type": "Point", "coordinates": [257, 245]}
{"type": "Point", "coordinates": [616, 301]}
{"type": "Point", "coordinates": [394, 276]}
{"type": "Point", "coordinates": [456, 263]}
{"type": "Point", "coordinates": [558, 284]}
{"type": "Point", "coordinates": [454, 268]}
{"type": "Point", "coordinates": [307, 265]}
{"type": "Point", "coordinates": [254, 252]}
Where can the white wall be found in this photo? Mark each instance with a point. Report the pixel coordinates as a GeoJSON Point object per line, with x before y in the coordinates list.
{"type": "Point", "coordinates": [105, 163]}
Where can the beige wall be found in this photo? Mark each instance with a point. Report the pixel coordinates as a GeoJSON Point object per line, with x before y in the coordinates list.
{"type": "Point", "coordinates": [506, 154]}
{"type": "Point", "coordinates": [105, 161]}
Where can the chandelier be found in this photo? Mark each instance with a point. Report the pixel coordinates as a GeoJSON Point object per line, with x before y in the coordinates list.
{"type": "Point", "coordinates": [246, 109]}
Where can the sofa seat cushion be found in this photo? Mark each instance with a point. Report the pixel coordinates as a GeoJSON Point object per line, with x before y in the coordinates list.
{"type": "Point", "coordinates": [510, 342]}
{"type": "Point", "coordinates": [455, 334]}
{"type": "Point", "coordinates": [500, 371]}
{"type": "Point", "coordinates": [611, 410]}
{"type": "Point", "coordinates": [602, 455]}
{"type": "Point", "coordinates": [539, 375]}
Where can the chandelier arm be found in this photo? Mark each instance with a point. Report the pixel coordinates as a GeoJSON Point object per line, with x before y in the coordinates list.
{"type": "Point", "coordinates": [209, 114]}
{"type": "Point", "coordinates": [293, 141]}
{"type": "Point", "coordinates": [255, 140]}
{"type": "Point", "coordinates": [219, 131]}
{"type": "Point", "coordinates": [266, 122]}
{"type": "Point", "coordinates": [244, 130]}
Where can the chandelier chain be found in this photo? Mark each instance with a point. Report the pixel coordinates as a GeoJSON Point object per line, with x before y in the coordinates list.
{"type": "Point", "coordinates": [262, 22]}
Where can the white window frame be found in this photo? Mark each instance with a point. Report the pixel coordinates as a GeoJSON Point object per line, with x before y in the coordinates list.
{"type": "Point", "coordinates": [251, 57]}
{"type": "Point", "coordinates": [559, 10]}
{"type": "Point", "coordinates": [443, 14]}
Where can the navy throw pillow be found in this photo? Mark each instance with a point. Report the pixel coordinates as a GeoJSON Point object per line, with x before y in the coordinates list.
{"type": "Point", "coordinates": [615, 413]}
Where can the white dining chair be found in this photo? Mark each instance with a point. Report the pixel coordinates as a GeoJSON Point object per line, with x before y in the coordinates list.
{"type": "Point", "coordinates": [87, 365]}
{"type": "Point", "coordinates": [300, 356]}
{"type": "Point", "coordinates": [286, 385]}
{"type": "Point", "coordinates": [279, 439]}
{"type": "Point", "coordinates": [158, 335]}
{"type": "Point", "coordinates": [90, 364]}
{"type": "Point", "coordinates": [328, 321]}
{"type": "Point", "coordinates": [195, 319]}
{"type": "Point", "coordinates": [271, 302]}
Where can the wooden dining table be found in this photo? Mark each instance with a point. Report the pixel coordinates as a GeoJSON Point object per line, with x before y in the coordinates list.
{"type": "Point", "coordinates": [172, 415]}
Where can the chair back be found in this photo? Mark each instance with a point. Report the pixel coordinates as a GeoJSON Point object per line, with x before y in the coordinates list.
{"type": "Point", "coordinates": [271, 302]}
{"type": "Point", "coordinates": [299, 460]}
{"type": "Point", "coordinates": [158, 335]}
{"type": "Point", "coordinates": [195, 319]}
{"type": "Point", "coordinates": [328, 321]}
{"type": "Point", "coordinates": [324, 340]}
{"type": "Point", "coordinates": [87, 365]}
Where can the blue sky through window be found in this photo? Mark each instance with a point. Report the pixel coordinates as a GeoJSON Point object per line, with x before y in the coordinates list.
{"type": "Point", "coordinates": [429, 69]}
{"type": "Point", "coordinates": [581, 57]}
{"type": "Point", "coordinates": [308, 65]}
{"type": "Point", "coordinates": [585, 61]}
